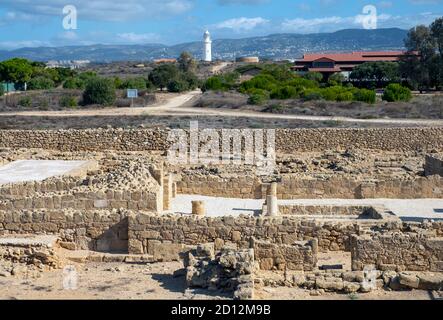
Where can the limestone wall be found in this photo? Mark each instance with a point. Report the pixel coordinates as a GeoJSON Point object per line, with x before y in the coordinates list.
{"type": "Point", "coordinates": [146, 231]}
{"type": "Point", "coordinates": [287, 140]}
{"type": "Point", "coordinates": [238, 187]}
{"type": "Point", "coordinates": [292, 187]}
{"type": "Point", "coordinates": [26, 189]}
{"type": "Point", "coordinates": [87, 200]}
{"type": "Point", "coordinates": [298, 256]}
{"type": "Point", "coordinates": [397, 251]}
{"type": "Point", "coordinates": [94, 230]}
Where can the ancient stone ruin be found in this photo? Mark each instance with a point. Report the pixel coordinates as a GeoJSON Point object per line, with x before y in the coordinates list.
{"type": "Point", "coordinates": [316, 223]}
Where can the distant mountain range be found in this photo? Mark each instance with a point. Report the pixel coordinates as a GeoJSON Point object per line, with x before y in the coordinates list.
{"type": "Point", "coordinates": [275, 46]}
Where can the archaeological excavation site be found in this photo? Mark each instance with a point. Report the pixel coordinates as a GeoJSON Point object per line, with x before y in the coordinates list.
{"type": "Point", "coordinates": [102, 213]}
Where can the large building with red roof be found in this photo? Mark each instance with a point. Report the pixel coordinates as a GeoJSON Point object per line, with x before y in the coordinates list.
{"type": "Point", "coordinates": [330, 63]}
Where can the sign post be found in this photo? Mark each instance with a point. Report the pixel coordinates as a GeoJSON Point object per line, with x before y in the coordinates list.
{"type": "Point", "coordinates": [131, 94]}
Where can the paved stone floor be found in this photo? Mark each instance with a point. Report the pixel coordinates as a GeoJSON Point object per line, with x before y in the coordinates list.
{"type": "Point", "coordinates": [36, 170]}
{"type": "Point", "coordinates": [406, 209]}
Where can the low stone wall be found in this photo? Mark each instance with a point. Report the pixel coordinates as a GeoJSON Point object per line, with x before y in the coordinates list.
{"type": "Point", "coordinates": [146, 231]}
{"type": "Point", "coordinates": [94, 230]}
{"type": "Point", "coordinates": [292, 187]}
{"type": "Point", "coordinates": [398, 252]}
{"type": "Point", "coordinates": [434, 165]}
{"type": "Point", "coordinates": [349, 211]}
{"type": "Point", "coordinates": [27, 189]}
{"type": "Point", "coordinates": [87, 200]}
{"type": "Point", "coordinates": [300, 256]}
{"type": "Point", "coordinates": [422, 187]}
{"type": "Point", "coordinates": [235, 187]}
{"type": "Point", "coordinates": [287, 140]}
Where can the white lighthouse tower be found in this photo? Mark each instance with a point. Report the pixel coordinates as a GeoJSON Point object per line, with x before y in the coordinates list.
{"type": "Point", "coordinates": [207, 54]}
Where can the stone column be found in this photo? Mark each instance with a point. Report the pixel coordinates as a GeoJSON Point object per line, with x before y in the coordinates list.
{"type": "Point", "coordinates": [167, 191]}
{"type": "Point", "coordinates": [272, 206]}
{"type": "Point", "coordinates": [174, 189]}
{"type": "Point", "coordinates": [198, 208]}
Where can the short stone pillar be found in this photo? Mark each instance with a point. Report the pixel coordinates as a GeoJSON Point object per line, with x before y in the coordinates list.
{"type": "Point", "coordinates": [198, 208]}
{"type": "Point", "coordinates": [174, 190]}
{"type": "Point", "coordinates": [273, 189]}
{"type": "Point", "coordinates": [272, 206]}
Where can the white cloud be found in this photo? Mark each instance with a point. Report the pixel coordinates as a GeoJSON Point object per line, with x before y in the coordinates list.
{"type": "Point", "coordinates": [102, 9]}
{"type": "Point", "coordinates": [241, 24]}
{"type": "Point", "coordinates": [334, 23]}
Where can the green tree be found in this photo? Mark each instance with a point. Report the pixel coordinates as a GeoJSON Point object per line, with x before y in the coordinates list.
{"type": "Point", "coordinates": [437, 34]}
{"type": "Point", "coordinates": [2, 89]}
{"type": "Point", "coordinates": [187, 62]}
{"type": "Point", "coordinates": [177, 85]}
{"type": "Point", "coordinates": [74, 83]}
{"type": "Point", "coordinates": [376, 73]}
{"type": "Point", "coordinates": [99, 91]}
{"type": "Point", "coordinates": [416, 68]}
{"type": "Point", "coordinates": [134, 83]}
{"type": "Point", "coordinates": [313, 76]}
{"type": "Point", "coordinates": [163, 74]}
{"type": "Point", "coordinates": [40, 83]}
{"type": "Point", "coordinates": [336, 79]}
{"type": "Point", "coordinates": [16, 70]}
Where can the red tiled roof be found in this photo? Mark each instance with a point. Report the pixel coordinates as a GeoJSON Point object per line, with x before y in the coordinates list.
{"type": "Point", "coordinates": [354, 56]}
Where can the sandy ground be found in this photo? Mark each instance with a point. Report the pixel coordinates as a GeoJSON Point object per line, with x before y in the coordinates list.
{"type": "Point", "coordinates": [104, 281]}
{"type": "Point", "coordinates": [406, 209]}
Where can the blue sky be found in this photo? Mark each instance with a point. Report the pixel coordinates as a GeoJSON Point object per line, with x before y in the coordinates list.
{"type": "Point", "coordinates": [33, 23]}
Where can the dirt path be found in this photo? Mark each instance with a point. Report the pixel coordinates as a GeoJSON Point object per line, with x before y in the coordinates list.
{"type": "Point", "coordinates": [181, 106]}
{"type": "Point", "coordinates": [187, 111]}
{"type": "Point", "coordinates": [170, 104]}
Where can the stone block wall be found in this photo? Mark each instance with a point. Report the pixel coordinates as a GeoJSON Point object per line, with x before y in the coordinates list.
{"type": "Point", "coordinates": [93, 230]}
{"type": "Point", "coordinates": [292, 187]}
{"type": "Point", "coordinates": [349, 211]}
{"type": "Point", "coordinates": [27, 189]}
{"type": "Point", "coordinates": [287, 140]}
{"type": "Point", "coordinates": [87, 200]}
{"type": "Point", "coordinates": [434, 165]}
{"type": "Point", "coordinates": [146, 231]}
{"type": "Point", "coordinates": [397, 251]}
{"type": "Point", "coordinates": [423, 187]}
{"type": "Point", "coordinates": [235, 187]}
{"type": "Point", "coordinates": [299, 256]}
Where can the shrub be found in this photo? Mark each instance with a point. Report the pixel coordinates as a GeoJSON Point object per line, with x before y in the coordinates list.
{"type": "Point", "coordinates": [214, 84]}
{"type": "Point", "coordinates": [284, 93]}
{"type": "Point", "coordinates": [365, 95]}
{"type": "Point", "coordinates": [40, 83]}
{"type": "Point", "coordinates": [177, 85]}
{"type": "Point", "coordinates": [275, 108]}
{"type": "Point", "coordinates": [262, 81]}
{"type": "Point", "coordinates": [258, 97]}
{"type": "Point", "coordinates": [25, 102]}
{"type": "Point", "coordinates": [68, 102]}
{"type": "Point", "coordinates": [312, 94]}
{"type": "Point", "coordinates": [345, 96]}
{"type": "Point", "coordinates": [396, 92]}
{"type": "Point", "coordinates": [2, 90]}
{"type": "Point", "coordinates": [99, 91]}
